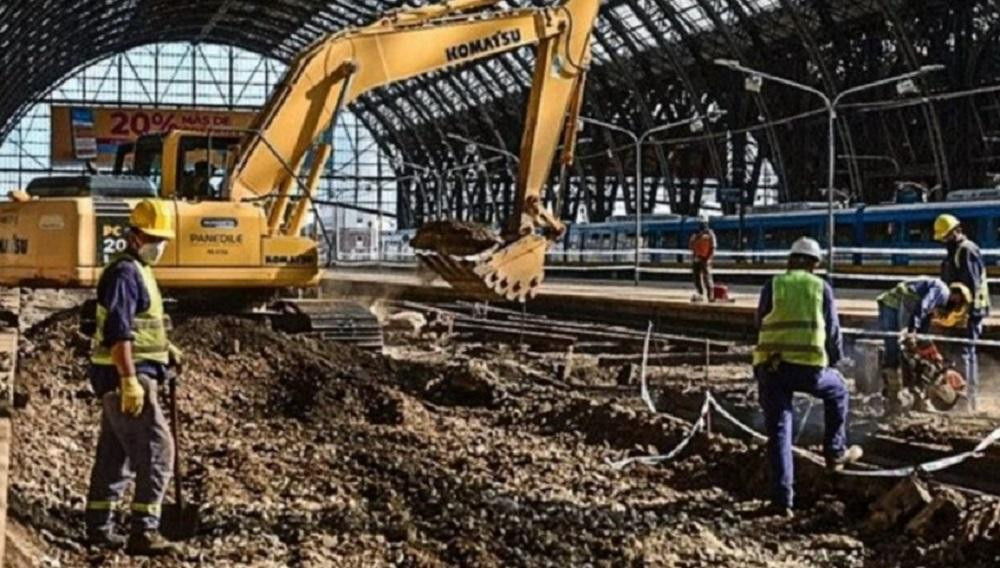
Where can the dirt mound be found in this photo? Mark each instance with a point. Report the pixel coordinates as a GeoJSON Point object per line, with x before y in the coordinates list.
{"type": "Point", "coordinates": [303, 453]}
{"type": "Point", "coordinates": [455, 237]}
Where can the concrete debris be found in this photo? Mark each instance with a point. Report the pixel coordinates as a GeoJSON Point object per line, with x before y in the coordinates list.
{"type": "Point", "coordinates": [935, 520]}
{"type": "Point", "coordinates": [905, 498]}
{"type": "Point", "coordinates": [455, 237]}
{"type": "Point", "coordinates": [408, 321]}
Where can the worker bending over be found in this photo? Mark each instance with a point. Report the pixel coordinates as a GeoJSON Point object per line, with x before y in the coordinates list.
{"type": "Point", "coordinates": [799, 341]}
{"type": "Point", "coordinates": [129, 359]}
{"type": "Point", "coordinates": [702, 245]}
{"type": "Point", "coordinates": [910, 306]}
{"type": "Point", "coordinates": [964, 263]}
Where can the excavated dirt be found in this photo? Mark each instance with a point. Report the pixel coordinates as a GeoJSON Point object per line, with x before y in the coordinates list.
{"type": "Point", "coordinates": [735, 385]}
{"type": "Point", "coordinates": [300, 453]}
{"type": "Point", "coordinates": [455, 237]}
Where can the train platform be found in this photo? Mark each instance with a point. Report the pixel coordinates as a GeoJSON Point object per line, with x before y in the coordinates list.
{"type": "Point", "coordinates": [667, 304]}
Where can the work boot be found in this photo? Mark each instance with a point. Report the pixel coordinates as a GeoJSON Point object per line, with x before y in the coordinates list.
{"type": "Point", "coordinates": [850, 455]}
{"type": "Point", "coordinates": [107, 539]}
{"type": "Point", "coordinates": [149, 543]}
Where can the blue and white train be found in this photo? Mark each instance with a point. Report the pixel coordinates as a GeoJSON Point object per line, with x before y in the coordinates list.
{"type": "Point", "coordinates": [898, 227]}
{"type": "Point", "coordinates": [886, 231]}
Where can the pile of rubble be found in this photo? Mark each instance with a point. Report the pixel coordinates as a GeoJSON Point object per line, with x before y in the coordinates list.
{"type": "Point", "coordinates": [302, 453]}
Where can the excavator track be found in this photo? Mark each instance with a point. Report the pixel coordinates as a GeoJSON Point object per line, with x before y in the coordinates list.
{"type": "Point", "coordinates": [341, 321]}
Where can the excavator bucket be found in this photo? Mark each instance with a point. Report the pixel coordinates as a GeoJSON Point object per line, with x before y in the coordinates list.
{"type": "Point", "coordinates": [513, 271]}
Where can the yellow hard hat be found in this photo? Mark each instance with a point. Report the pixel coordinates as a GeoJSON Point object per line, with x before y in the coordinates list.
{"type": "Point", "coordinates": [944, 225]}
{"type": "Point", "coordinates": [962, 290]}
{"type": "Point", "coordinates": [152, 217]}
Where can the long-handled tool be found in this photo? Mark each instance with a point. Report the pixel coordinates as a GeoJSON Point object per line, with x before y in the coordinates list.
{"type": "Point", "coordinates": [175, 427]}
{"type": "Point", "coordinates": [180, 522]}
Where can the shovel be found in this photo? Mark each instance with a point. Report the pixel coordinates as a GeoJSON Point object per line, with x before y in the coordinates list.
{"type": "Point", "coordinates": [179, 521]}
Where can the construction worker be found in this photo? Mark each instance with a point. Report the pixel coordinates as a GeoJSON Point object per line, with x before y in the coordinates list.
{"type": "Point", "coordinates": [702, 246]}
{"type": "Point", "coordinates": [909, 306]}
{"type": "Point", "coordinates": [130, 354]}
{"type": "Point", "coordinates": [964, 263]}
{"type": "Point", "coordinates": [198, 185]}
{"type": "Point", "coordinates": [799, 341]}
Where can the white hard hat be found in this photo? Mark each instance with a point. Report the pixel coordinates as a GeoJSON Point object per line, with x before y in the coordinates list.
{"type": "Point", "coordinates": [807, 247]}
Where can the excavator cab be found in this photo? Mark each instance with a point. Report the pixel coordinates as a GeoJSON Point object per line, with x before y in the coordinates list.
{"type": "Point", "coordinates": [199, 162]}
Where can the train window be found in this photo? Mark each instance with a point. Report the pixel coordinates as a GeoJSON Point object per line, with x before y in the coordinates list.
{"type": "Point", "coordinates": [606, 241]}
{"type": "Point", "coordinates": [879, 233]}
{"type": "Point", "coordinates": [573, 242]}
{"type": "Point", "coordinates": [971, 228]}
{"type": "Point", "coordinates": [843, 235]}
{"type": "Point", "coordinates": [728, 239]}
{"type": "Point", "coordinates": [782, 237]}
{"type": "Point", "coordinates": [920, 231]}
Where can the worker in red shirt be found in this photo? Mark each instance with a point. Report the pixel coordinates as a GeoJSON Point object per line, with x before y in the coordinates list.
{"type": "Point", "coordinates": [702, 245]}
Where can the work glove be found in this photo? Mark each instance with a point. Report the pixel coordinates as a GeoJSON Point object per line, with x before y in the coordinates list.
{"type": "Point", "coordinates": [132, 395]}
{"type": "Point", "coordinates": [176, 356]}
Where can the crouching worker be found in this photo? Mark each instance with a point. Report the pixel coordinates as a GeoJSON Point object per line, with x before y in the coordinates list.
{"type": "Point", "coordinates": [129, 359]}
{"type": "Point", "coordinates": [910, 307]}
{"type": "Point", "coordinates": [799, 341]}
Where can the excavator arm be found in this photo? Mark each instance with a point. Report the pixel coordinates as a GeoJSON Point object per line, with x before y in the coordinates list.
{"type": "Point", "coordinates": [338, 69]}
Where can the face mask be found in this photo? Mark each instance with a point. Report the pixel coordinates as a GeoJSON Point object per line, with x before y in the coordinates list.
{"type": "Point", "coordinates": [150, 253]}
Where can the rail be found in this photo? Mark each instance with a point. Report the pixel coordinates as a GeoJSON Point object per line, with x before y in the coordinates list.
{"type": "Point", "coordinates": [710, 404]}
{"type": "Point", "coordinates": [623, 260]}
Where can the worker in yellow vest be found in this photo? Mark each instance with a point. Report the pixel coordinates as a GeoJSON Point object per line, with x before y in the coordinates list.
{"type": "Point", "coordinates": [798, 344]}
{"type": "Point", "coordinates": [130, 354]}
{"type": "Point", "coordinates": [964, 263]}
{"type": "Point", "coordinates": [909, 307]}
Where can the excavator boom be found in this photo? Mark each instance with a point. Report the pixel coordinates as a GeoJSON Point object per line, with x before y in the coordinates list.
{"type": "Point", "coordinates": [337, 70]}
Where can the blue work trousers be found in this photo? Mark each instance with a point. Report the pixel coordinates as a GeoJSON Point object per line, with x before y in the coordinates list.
{"type": "Point", "coordinates": [776, 390]}
{"type": "Point", "coordinates": [130, 448]}
{"type": "Point", "coordinates": [893, 319]}
{"type": "Point", "coordinates": [970, 359]}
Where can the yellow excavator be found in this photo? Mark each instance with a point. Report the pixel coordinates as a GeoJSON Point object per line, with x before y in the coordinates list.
{"type": "Point", "coordinates": [246, 231]}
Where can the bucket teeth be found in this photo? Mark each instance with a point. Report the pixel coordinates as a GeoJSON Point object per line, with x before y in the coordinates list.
{"type": "Point", "coordinates": [514, 271]}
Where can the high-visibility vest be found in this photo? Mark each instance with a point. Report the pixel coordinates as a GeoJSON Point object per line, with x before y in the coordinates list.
{"type": "Point", "coordinates": [981, 295]}
{"type": "Point", "coordinates": [897, 295]}
{"type": "Point", "coordinates": [149, 327]}
{"type": "Point", "coordinates": [795, 329]}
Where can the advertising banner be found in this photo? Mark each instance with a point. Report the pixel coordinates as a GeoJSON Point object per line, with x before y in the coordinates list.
{"type": "Point", "coordinates": [81, 133]}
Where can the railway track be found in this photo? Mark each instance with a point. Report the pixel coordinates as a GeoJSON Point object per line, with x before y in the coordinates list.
{"type": "Point", "coordinates": [621, 347]}
{"type": "Point", "coordinates": [883, 450]}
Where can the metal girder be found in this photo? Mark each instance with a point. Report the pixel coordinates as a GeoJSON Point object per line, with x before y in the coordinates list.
{"type": "Point", "coordinates": [655, 58]}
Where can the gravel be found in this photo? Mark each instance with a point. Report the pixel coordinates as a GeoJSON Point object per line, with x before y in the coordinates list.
{"type": "Point", "coordinates": [300, 453]}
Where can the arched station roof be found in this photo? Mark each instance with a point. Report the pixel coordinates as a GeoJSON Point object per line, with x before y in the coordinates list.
{"type": "Point", "coordinates": [653, 64]}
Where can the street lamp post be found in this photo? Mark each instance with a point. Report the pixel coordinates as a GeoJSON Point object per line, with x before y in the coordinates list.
{"type": "Point", "coordinates": [831, 109]}
{"type": "Point", "coordinates": [871, 158]}
{"type": "Point", "coordinates": [639, 140]}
